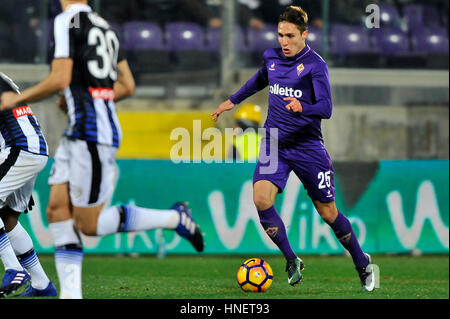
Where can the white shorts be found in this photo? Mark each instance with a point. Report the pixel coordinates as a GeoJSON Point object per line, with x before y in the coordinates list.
{"type": "Point", "coordinates": [18, 172]}
{"type": "Point", "coordinates": [89, 168]}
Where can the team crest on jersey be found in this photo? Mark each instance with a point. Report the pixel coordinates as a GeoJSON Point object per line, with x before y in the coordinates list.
{"type": "Point", "coordinates": [300, 69]}
{"type": "Point", "coordinates": [272, 231]}
{"type": "Point", "coordinates": [272, 67]}
{"type": "Point", "coordinates": [22, 111]}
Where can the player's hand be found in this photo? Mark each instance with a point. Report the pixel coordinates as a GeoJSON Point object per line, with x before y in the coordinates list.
{"type": "Point", "coordinates": [8, 100]}
{"type": "Point", "coordinates": [294, 104]}
{"type": "Point", "coordinates": [225, 106]}
{"type": "Point", "coordinates": [62, 102]}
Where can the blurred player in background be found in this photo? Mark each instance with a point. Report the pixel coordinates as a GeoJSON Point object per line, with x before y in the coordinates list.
{"type": "Point", "coordinates": [89, 67]}
{"type": "Point", "coordinates": [23, 154]}
{"type": "Point", "coordinates": [299, 99]}
{"type": "Point", "coordinates": [246, 143]}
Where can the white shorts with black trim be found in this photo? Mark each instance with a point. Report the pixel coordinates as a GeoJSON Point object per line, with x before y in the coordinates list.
{"type": "Point", "coordinates": [89, 168]}
{"type": "Point", "coordinates": [18, 172]}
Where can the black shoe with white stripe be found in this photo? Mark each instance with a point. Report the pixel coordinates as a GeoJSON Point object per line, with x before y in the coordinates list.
{"type": "Point", "coordinates": [187, 228]}
{"type": "Point", "coordinates": [12, 281]}
{"type": "Point", "coordinates": [367, 275]}
{"type": "Point", "coordinates": [294, 268]}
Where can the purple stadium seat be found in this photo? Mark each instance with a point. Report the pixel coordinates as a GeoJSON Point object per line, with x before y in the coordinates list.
{"type": "Point", "coordinates": [260, 40]}
{"type": "Point", "coordinates": [213, 36]}
{"type": "Point", "coordinates": [413, 14]}
{"type": "Point", "coordinates": [389, 14]}
{"type": "Point", "coordinates": [431, 40]}
{"type": "Point", "coordinates": [244, 55]}
{"type": "Point", "coordinates": [185, 36]}
{"type": "Point", "coordinates": [144, 42]}
{"type": "Point", "coordinates": [391, 41]}
{"type": "Point", "coordinates": [345, 39]}
{"type": "Point", "coordinates": [431, 16]}
{"type": "Point", "coordinates": [142, 35]}
{"type": "Point", "coordinates": [187, 43]}
{"type": "Point", "coordinates": [314, 39]}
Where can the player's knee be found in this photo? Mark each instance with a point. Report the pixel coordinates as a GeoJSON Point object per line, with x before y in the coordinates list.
{"type": "Point", "coordinates": [56, 212]}
{"type": "Point", "coordinates": [9, 218]}
{"type": "Point", "coordinates": [327, 218]}
{"type": "Point", "coordinates": [86, 228]}
{"type": "Point", "coordinates": [86, 225]}
{"type": "Point", "coordinates": [327, 212]}
{"type": "Point", "coordinates": [262, 202]}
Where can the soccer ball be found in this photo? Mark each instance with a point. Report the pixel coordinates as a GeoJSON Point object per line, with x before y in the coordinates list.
{"type": "Point", "coordinates": [255, 275]}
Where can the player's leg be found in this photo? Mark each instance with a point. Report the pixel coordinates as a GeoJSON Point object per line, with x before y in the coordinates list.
{"type": "Point", "coordinates": [7, 254]}
{"type": "Point", "coordinates": [15, 276]}
{"type": "Point", "coordinates": [317, 175]}
{"type": "Point", "coordinates": [343, 230]}
{"type": "Point", "coordinates": [66, 238]}
{"type": "Point", "coordinates": [67, 242]}
{"type": "Point", "coordinates": [25, 172]}
{"type": "Point", "coordinates": [22, 244]}
{"type": "Point", "coordinates": [99, 221]}
{"type": "Point", "coordinates": [266, 185]}
{"type": "Point", "coordinates": [131, 218]}
{"type": "Point", "coordinates": [93, 218]}
{"type": "Point", "coordinates": [96, 221]}
{"type": "Point", "coordinates": [264, 193]}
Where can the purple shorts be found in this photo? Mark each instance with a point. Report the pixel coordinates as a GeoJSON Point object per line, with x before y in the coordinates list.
{"type": "Point", "coordinates": [312, 166]}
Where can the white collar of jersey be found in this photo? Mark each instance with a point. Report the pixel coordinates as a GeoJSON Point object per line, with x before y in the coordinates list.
{"type": "Point", "coordinates": [79, 7]}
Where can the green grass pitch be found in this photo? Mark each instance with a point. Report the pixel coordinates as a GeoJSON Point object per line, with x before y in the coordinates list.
{"type": "Point", "coordinates": [214, 276]}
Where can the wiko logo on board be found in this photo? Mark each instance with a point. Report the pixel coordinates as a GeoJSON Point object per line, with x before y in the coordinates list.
{"type": "Point", "coordinates": [231, 235]}
{"type": "Point", "coordinates": [311, 229]}
{"type": "Point", "coordinates": [426, 208]}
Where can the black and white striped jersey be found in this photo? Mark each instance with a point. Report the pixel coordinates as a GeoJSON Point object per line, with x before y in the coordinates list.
{"type": "Point", "coordinates": [83, 36]}
{"type": "Point", "coordinates": [19, 126]}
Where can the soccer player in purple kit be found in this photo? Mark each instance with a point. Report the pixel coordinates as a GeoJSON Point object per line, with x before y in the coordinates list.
{"type": "Point", "coordinates": [299, 98]}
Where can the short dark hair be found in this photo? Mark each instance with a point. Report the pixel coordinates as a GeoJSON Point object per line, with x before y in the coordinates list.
{"type": "Point", "coordinates": [297, 16]}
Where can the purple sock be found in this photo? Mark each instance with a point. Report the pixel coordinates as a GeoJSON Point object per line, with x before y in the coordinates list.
{"type": "Point", "coordinates": [274, 227]}
{"type": "Point", "coordinates": [344, 233]}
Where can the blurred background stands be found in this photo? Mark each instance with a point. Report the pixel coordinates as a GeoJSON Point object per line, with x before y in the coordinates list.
{"type": "Point", "coordinates": [175, 50]}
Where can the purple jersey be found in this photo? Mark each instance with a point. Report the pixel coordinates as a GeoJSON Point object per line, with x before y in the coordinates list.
{"type": "Point", "coordinates": [304, 77]}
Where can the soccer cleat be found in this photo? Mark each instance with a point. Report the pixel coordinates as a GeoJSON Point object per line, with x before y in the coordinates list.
{"type": "Point", "coordinates": [294, 268]}
{"type": "Point", "coordinates": [12, 281]}
{"type": "Point", "coordinates": [187, 228]}
{"type": "Point", "coordinates": [50, 291]}
{"type": "Point", "coordinates": [367, 275]}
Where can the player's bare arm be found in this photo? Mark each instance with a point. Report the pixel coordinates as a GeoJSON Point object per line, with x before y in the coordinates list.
{"type": "Point", "coordinates": [225, 106]}
{"type": "Point", "coordinates": [58, 79]}
{"type": "Point", "coordinates": [125, 85]}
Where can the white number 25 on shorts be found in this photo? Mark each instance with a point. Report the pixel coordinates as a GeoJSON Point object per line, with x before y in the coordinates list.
{"type": "Point", "coordinates": [325, 179]}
